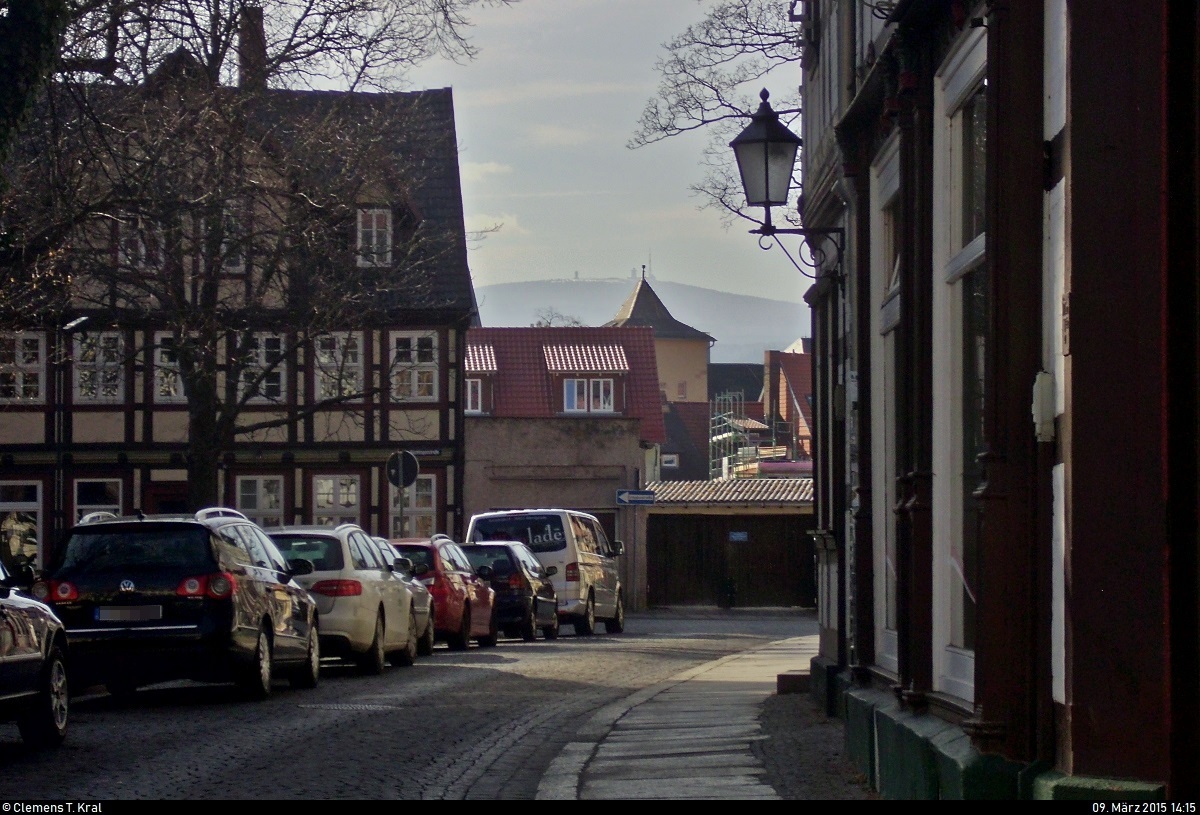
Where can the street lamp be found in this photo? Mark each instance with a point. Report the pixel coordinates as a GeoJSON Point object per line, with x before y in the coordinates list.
{"type": "Point", "coordinates": [766, 155]}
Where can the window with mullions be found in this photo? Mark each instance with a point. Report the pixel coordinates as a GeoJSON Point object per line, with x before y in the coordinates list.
{"type": "Point", "coordinates": [20, 523]}
{"type": "Point", "coordinates": [414, 509]}
{"type": "Point", "coordinates": [414, 366]}
{"type": "Point", "coordinates": [139, 242]}
{"type": "Point", "coordinates": [263, 367]}
{"type": "Point", "coordinates": [97, 495]}
{"type": "Point", "coordinates": [260, 498]}
{"type": "Point", "coordinates": [336, 500]}
{"type": "Point", "coordinates": [22, 367]}
{"type": "Point", "coordinates": [961, 310]}
{"type": "Point", "coordinates": [339, 370]}
{"type": "Point", "coordinates": [588, 395]}
{"type": "Point", "coordinates": [474, 391]}
{"type": "Point", "coordinates": [374, 237]}
{"type": "Point", "coordinates": [168, 384]}
{"type": "Point", "coordinates": [99, 368]}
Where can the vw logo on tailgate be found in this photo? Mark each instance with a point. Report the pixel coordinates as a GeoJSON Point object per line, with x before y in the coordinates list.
{"type": "Point", "coordinates": [127, 585]}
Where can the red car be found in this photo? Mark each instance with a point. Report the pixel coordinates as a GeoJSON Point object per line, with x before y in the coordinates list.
{"type": "Point", "coordinates": [464, 602]}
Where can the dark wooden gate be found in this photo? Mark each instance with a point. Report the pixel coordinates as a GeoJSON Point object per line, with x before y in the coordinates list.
{"type": "Point", "coordinates": [767, 560]}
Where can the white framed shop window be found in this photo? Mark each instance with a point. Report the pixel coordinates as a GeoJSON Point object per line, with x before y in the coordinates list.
{"type": "Point", "coordinates": [20, 524]}
{"type": "Point", "coordinates": [337, 499]}
{"type": "Point", "coordinates": [885, 315]}
{"type": "Point", "coordinates": [414, 509]}
{"type": "Point", "coordinates": [97, 495]}
{"type": "Point", "coordinates": [961, 344]}
{"type": "Point", "coordinates": [260, 498]}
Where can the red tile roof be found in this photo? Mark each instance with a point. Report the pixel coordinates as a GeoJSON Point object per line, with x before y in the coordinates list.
{"type": "Point", "coordinates": [523, 384]}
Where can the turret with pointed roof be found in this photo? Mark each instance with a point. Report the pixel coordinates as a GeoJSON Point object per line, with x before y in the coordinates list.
{"type": "Point", "coordinates": [644, 308]}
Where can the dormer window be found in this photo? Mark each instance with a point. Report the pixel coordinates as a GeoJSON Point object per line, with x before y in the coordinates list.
{"type": "Point", "coordinates": [588, 395]}
{"type": "Point", "coordinates": [374, 237]}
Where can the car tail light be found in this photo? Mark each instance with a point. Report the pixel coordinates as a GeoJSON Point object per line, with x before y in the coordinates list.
{"type": "Point", "coordinates": [337, 588]}
{"type": "Point", "coordinates": [572, 572]}
{"type": "Point", "coordinates": [516, 581]}
{"type": "Point", "coordinates": [217, 586]}
{"type": "Point", "coordinates": [54, 591]}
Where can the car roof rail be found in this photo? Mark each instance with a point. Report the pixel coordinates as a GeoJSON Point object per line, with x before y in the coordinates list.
{"type": "Point", "coordinates": [219, 512]}
{"type": "Point", "coordinates": [96, 517]}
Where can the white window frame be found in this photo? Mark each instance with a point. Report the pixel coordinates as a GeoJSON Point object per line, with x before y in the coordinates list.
{"type": "Point", "coordinates": [265, 355]}
{"type": "Point", "coordinates": [589, 395]}
{"type": "Point", "coordinates": [885, 190]}
{"type": "Point", "coordinates": [22, 367]}
{"type": "Point", "coordinates": [134, 250]}
{"type": "Point", "coordinates": [12, 524]}
{"type": "Point", "coordinates": [374, 236]}
{"type": "Point", "coordinates": [337, 499]}
{"type": "Point", "coordinates": [962, 74]}
{"type": "Point", "coordinates": [338, 365]}
{"type": "Point", "coordinates": [474, 395]}
{"type": "Point", "coordinates": [85, 507]}
{"type": "Point", "coordinates": [166, 371]}
{"type": "Point", "coordinates": [416, 366]}
{"type": "Point", "coordinates": [99, 368]}
{"type": "Point", "coordinates": [233, 252]}
{"type": "Point", "coordinates": [260, 498]}
{"type": "Point", "coordinates": [419, 516]}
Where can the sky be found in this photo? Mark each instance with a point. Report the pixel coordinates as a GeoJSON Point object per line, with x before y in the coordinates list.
{"type": "Point", "coordinates": [543, 115]}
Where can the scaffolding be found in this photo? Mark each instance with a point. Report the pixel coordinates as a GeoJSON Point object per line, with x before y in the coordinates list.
{"type": "Point", "coordinates": [727, 413]}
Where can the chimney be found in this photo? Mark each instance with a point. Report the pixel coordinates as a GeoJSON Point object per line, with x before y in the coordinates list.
{"type": "Point", "coordinates": [252, 49]}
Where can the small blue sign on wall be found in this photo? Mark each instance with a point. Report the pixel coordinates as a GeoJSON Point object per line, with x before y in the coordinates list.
{"type": "Point", "coordinates": [739, 537]}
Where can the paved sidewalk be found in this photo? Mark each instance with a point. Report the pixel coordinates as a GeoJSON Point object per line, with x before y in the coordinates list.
{"type": "Point", "coordinates": [690, 737]}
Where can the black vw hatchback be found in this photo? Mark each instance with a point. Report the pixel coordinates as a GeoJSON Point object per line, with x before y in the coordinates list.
{"type": "Point", "coordinates": [158, 598]}
{"type": "Point", "coordinates": [525, 599]}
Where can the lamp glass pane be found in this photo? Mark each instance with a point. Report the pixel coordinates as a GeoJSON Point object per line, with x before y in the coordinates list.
{"type": "Point", "coordinates": [781, 158]}
{"type": "Point", "coordinates": [752, 164]}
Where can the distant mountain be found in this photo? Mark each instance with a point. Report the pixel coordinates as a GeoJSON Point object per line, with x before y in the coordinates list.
{"type": "Point", "coordinates": [744, 327]}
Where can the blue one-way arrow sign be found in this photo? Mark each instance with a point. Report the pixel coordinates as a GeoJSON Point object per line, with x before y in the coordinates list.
{"type": "Point", "coordinates": [635, 497]}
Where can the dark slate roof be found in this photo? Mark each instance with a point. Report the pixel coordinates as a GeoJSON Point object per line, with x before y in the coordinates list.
{"type": "Point", "coordinates": [643, 307]}
{"type": "Point", "coordinates": [781, 492]}
{"type": "Point", "coordinates": [732, 377]}
{"type": "Point", "coordinates": [523, 359]}
{"type": "Point", "coordinates": [424, 135]}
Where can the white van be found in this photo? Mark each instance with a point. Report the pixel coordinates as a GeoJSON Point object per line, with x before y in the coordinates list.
{"type": "Point", "coordinates": [587, 581]}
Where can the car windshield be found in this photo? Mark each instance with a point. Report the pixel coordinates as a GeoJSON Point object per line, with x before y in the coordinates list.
{"type": "Point", "coordinates": [149, 548]}
{"type": "Point", "coordinates": [541, 533]}
{"type": "Point", "coordinates": [323, 552]}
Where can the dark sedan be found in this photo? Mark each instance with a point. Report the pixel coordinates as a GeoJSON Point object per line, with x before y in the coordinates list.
{"type": "Point", "coordinates": [525, 599]}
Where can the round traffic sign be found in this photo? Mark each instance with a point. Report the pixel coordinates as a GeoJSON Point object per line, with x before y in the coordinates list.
{"type": "Point", "coordinates": [402, 468]}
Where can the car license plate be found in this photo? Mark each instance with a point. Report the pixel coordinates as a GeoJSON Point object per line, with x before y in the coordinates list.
{"type": "Point", "coordinates": [125, 613]}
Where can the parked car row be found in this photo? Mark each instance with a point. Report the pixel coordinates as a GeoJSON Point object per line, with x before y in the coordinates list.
{"type": "Point", "coordinates": [127, 602]}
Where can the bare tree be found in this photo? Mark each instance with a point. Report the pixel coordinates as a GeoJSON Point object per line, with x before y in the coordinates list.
{"type": "Point", "coordinates": [711, 76]}
{"type": "Point", "coordinates": [209, 230]}
{"type": "Point", "coordinates": [550, 317]}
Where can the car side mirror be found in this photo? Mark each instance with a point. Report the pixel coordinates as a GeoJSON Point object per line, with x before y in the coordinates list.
{"type": "Point", "coordinates": [402, 565]}
{"type": "Point", "coordinates": [550, 571]}
{"type": "Point", "coordinates": [484, 571]}
{"type": "Point", "coordinates": [300, 567]}
{"type": "Point", "coordinates": [618, 548]}
{"type": "Point", "coordinates": [420, 569]}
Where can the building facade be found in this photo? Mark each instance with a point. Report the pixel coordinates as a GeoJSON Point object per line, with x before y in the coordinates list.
{"type": "Point", "coordinates": [1005, 393]}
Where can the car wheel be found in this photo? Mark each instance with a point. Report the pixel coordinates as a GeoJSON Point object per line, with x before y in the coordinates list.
{"type": "Point", "coordinates": [374, 659]}
{"type": "Point", "coordinates": [407, 655]}
{"type": "Point", "coordinates": [529, 625]}
{"type": "Point", "coordinates": [488, 640]}
{"type": "Point", "coordinates": [425, 643]}
{"type": "Point", "coordinates": [308, 676]}
{"type": "Point", "coordinates": [585, 624]}
{"type": "Point", "coordinates": [44, 722]}
{"type": "Point", "coordinates": [256, 680]}
{"type": "Point", "coordinates": [459, 640]}
{"type": "Point", "coordinates": [551, 631]}
{"type": "Point", "coordinates": [616, 624]}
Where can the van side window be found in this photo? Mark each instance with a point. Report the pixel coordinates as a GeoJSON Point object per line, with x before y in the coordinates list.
{"type": "Point", "coordinates": [584, 539]}
{"type": "Point", "coordinates": [601, 539]}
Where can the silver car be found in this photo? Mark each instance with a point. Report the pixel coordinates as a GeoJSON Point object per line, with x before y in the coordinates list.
{"type": "Point", "coordinates": [366, 605]}
{"type": "Point", "coordinates": [422, 599]}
